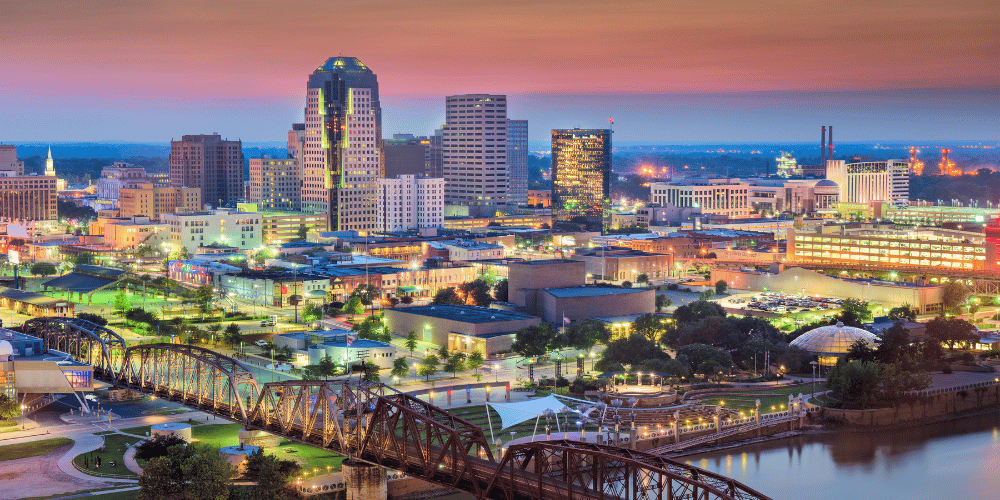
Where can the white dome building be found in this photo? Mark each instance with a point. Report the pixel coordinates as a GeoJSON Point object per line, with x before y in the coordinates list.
{"type": "Point", "coordinates": [830, 343]}
{"type": "Point", "coordinates": [826, 194]}
{"type": "Point", "coordinates": [6, 350]}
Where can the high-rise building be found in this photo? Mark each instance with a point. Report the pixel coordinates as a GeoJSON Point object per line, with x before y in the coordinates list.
{"type": "Point", "coordinates": [9, 162]}
{"type": "Point", "coordinates": [274, 183]}
{"type": "Point", "coordinates": [581, 175]}
{"type": "Point", "coordinates": [149, 200]}
{"type": "Point", "coordinates": [411, 202]}
{"type": "Point", "coordinates": [117, 177]}
{"type": "Point", "coordinates": [475, 152]}
{"type": "Point", "coordinates": [209, 163]}
{"type": "Point", "coordinates": [342, 158]}
{"type": "Point", "coordinates": [405, 155]}
{"type": "Point", "coordinates": [865, 182]}
{"type": "Point", "coordinates": [517, 160]}
{"type": "Point", "coordinates": [296, 141]}
{"type": "Point", "coordinates": [214, 227]}
{"type": "Point", "coordinates": [433, 155]}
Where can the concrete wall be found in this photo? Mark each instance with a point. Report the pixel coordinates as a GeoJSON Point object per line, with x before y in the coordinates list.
{"type": "Point", "coordinates": [437, 330]}
{"type": "Point", "coordinates": [575, 308]}
{"type": "Point", "coordinates": [928, 407]}
{"type": "Point", "coordinates": [526, 277]}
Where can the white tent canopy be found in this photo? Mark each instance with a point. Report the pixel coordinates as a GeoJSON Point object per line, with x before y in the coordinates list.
{"type": "Point", "coordinates": [512, 414]}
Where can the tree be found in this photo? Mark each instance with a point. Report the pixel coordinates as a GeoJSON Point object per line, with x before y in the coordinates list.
{"type": "Point", "coordinates": [475, 360]}
{"type": "Point", "coordinates": [696, 311]}
{"type": "Point", "coordinates": [371, 371]}
{"type": "Point", "coordinates": [157, 446]}
{"type": "Point", "coordinates": [411, 341]}
{"type": "Point", "coordinates": [954, 294]}
{"type": "Point", "coordinates": [93, 318]}
{"type": "Point", "coordinates": [584, 334]}
{"type": "Point", "coordinates": [705, 359]}
{"type": "Point", "coordinates": [214, 329]}
{"type": "Point", "coordinates": [43, 268]}
{"type": "Point", "coordinates": [232, 335]}
{"type": "Point", "coordinates": [861, 351]}
{"type": "Point", "coordinates": [399, 367]}
{"type": "Point", "coordinates": [854, 382]}
{"type": "Point", "coordinates": [662, 302]}
{"type": "Point", "coordinates": [354, 306]}
{"type": "Point", "coordinates": [373, 328]}
{"type": "Point", "coordinates": [455, 363]}
{"type": "Point", "coordinates": [720, 287]}
{"type": "Point", "coordinates": [195, 472]}
{"type": "Point", "coordinates": [854, 312]}
{"type": "Point", "coordinates": [477, 292]}
{"type": "Point", "coordinates": [121, 303]}
{"type": "Point", "coordinates": [443, 352]}
{"type": "Point", "coordinates": [501, 291]}
{"type": "Point", "coordinates": [626, 284]}
{"type": "Point", "coordinates": [535, 340]}
{"type": "Point", "coordinates": [367, 293]}
{"type": "Point", "coordinates": [202, 296]}
{"type": "Point", "coordinates": [951, 331]}
{"type": "Point", "coordinates": [903, 312]}
{"type": "Point", "coordinates": [271, 474]}
{"type": "Point", "coordinates": [633, 350]}
{"type": "Point", "coordinates": [447, 296]}
{"type": "Point", "coordinates": [311, 312]}
{"type": "Point", "coordinates": [895, 345]}
{"type": "Point", "coordinates": [708, 294]}
{"type": "Point", "coordinates": [406, 299]}
{"type": "Point", "coordinates": [429, 367]}
{"type": "Point", "coordinates": [650, 326]}
{"type": "Point", "coordinates": [326, 366]}
{"type": "Point", "coordinates": [642, 278]}
{"type": "Point", "coordinates": [9, 409]}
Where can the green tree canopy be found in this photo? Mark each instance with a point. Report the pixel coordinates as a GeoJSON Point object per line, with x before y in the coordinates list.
{"type": "Point", "coordinates": [122, 303]}
{"type": "Point", "coordinates": [903, 312]}
{"type": "Point", "coordinates": [701, 358]}
{"type": "Point", "coordinates": [272, 475]}
{"type": "Point", "coordinates": [500, 291]}
{"type": "Point", "coordinates": [477, 292]}
{"type": "Point", "coordinates": [633, 350]}
{"type": "Point", "coordinates": [951, 331]}
{"type": "Point", "coordinates": [367, 293]}
{"type": "Point", "coordinates": [232, 335]}
{"type": "Point", "coordinates": [399, 367]}
{"type": "Point", "coordinates": [584, 334]}
{"type": "Point", "coordinates": [192, 472]}
{"type": "Point", "coordinates": [354, 306]}
{"type": "Point", "coordinates": [455, 363]}
{"type": "Point", "coordinates": [696, 311]}
{"type": "Point", "coordinates": [43, 268]}
{"type": "Point", "coordinates": [535, 340]}
{"type": "Point", "coordinates": [447, 296]}
{"type": "Point", "coordinates": [954, 295]}
{"type": "Point", "coordinates": [411, 341]}
{"type": "Point", "coordinates": [721, 287]}
{"type": "Point", "coordinates": [9, 409]}
{"type": "Point", "coordinates": [642, 278]}
{"type": "Point", "coordinates": [854, 312]}
{"type": "Point", "coordinates": [429, 366]}
{"type": "Point", "coordinates": [475, 360]}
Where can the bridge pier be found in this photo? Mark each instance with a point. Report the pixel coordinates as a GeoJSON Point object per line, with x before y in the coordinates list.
{"type": "Point", "coordinates": [364, 481]}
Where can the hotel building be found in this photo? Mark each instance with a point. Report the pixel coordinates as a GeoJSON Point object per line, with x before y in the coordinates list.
{"type": "Point", "coordinates": [410, 202]}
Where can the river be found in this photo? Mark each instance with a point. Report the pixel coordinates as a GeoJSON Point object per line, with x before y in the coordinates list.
{"type": "Point", "coordinates": [955, 460]}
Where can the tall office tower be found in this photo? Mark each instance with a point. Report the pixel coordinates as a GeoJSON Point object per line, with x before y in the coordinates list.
{"type": "Point", "coordinates": [274, 183]}
{"type": "Point", "coordinates": [211, 164]}
{"type": "Point", "coordinates": [296, 141]}
{"type": "Point", "coordinates": [405, 155]}
{"type": "Point", "coordinates": [342, 159]}
{"type": "Point", "coordinates": [9, 161]}
{"type": "Point", "coordinates": [411, 202]}
{"type": "Point", "coordinates": [475, 152]}
{"type": "Point", "coordinates": [517, 160]}
{"type": "Point", "coordinates": [433, 155]}
{"type": "Point", "coordinates": [581, 176]}
{"type": "Point", "coordinates": [28, 198]}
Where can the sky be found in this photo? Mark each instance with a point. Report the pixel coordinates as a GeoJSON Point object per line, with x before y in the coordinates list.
{"type": "Point", "coordinates": [667, 71]}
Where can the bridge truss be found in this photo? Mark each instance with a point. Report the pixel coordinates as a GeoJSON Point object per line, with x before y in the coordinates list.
{"type": "Point", "coordinates": [381, 426]}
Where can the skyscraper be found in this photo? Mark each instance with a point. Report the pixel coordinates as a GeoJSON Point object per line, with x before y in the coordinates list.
{"type": "Point", "coordinates": [211, 164]}
{"type": "Point", "coordinates": [517, 160]}
{"type": "Point", "coordinates": [433, 155]}
{"type": "Point", "coordinates": [475, 152]}
{"type": "Point", "coordinates": [342, 156]}
{"type": "Point", "coordinates": [581, 175]}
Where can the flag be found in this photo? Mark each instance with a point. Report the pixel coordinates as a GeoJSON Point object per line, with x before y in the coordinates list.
{"type": "Point", "coordinates": [350, 339]}
{"type": "Point", "coordinates": [565, 320]}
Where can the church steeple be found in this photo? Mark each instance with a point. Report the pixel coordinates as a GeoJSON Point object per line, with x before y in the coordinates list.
{"type": "Point", "coordinates": [50, 169]}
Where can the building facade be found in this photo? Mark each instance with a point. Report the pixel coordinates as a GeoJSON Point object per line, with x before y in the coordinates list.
{"type": "Point", "coordinates": [517, 160]}
{"type": "Point", "coordinates": [113, 179]}
{"type": "Point", "coordinates": [434, 155]}
{"type": "Point", "coordinates": [890, 249]}
{"type": "Point", "coordinates": [466, 250]}
{"type": "Point", "coordinates": [540, 197]}
{"type": "Point", "coordinates": [581, 175]}
{"type": "Point", "coordinates": [236, 229]}
{"type": "Point", "coordinates": [616, 263]}
{"type": "Point", "coordinates": [410, 202]}
{"type": "Point", "coordinates": [342, 155]}
{"type": "Point", "coordinates": [28, 198]}
{"type": "Point", "coordinates": [211, 164]}
{"type": "Point", "coordinates": [405, 155]}
{"type": "Point", "coordinates": [274, 183]}
{"type": "Point", "coordinates": [282, 227]}
{"type": "Point", "coordinates": [8, 161]}
{"type": "Point", "coordinates": [728, 197]}
{"type": "Point", "coordinates": [864, 182]}
{"type": "Point", "coordinates": [462, 328]}
{"type": "Point", "coordinates": [475, 152]}
{"type": "Point", "coordinates": [122, 233]}
{"type": "Point", "coordinates": [150, 200]}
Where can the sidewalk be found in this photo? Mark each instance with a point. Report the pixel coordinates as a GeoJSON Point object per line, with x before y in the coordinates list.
{"type": "Point", "coordinates": [83, 444]}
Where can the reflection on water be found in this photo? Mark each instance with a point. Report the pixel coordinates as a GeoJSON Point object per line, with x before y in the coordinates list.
{"type": "Point", "coordinates": [952, 460]}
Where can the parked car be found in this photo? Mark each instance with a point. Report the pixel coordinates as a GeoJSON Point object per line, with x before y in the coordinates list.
{"type": "Point", "coordinates": [261, 343]}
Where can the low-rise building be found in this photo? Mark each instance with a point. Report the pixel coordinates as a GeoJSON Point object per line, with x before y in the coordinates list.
{"type": "Point", "coordinates": [713, 196]}
{"type": "Point", "coordinates": [556, 305]}
{"type": "Point", "coordinates": [275, 288]}
{"type": "Point", "coordinates": [540, 197]}
{"type": "Point", "coordinates": [466, 250]}
{"type": "Point", "coordinates": [191, 230]}
{"type": "Point", "coordinates": [617, 263]}
{"type": "Point", "coordinates": [199, 272]}
{"type": "Point", "coordinates": [666, 214]}
{"type": "Point", "coordinates": [149, 200]}
{"type": "Point", "coordinates": [311, 347]}
{"type": "Point", "coordinates": [464, 329]}
{"type": "Point", "coordinates": [120, 233]}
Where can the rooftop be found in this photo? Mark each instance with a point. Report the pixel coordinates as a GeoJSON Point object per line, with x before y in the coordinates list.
{"type": "Point", "coordinates": [465, 314]}
{"type": "Point", "coordinates": [592, 291]}
{"type": "Point", "coordinates": [28, 297]}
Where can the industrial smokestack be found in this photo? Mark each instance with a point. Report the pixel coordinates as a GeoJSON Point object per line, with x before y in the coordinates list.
{"type": "Point", "coordinates": [829, 156]}
{"type": "Point", "coordinates": [822, 146]}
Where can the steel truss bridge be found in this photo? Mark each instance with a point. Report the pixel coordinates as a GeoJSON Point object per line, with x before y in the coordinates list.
{"type": "Point", "coordinates": [378, 425]}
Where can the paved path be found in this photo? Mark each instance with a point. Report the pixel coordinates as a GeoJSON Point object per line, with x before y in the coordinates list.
{"type": "Point", "coordinates": [85, 443]}
{"type": "Point", "coordinates": [130, 462]}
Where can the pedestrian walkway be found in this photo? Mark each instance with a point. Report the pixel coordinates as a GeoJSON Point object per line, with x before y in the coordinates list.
{"type": "Point", "coordinates": [83, 444]}
{"type": "Point", "coordinates": [129, 459]}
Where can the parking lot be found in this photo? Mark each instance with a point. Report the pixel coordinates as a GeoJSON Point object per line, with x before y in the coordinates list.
{"type": "Point", "coordinates": [783, 303]}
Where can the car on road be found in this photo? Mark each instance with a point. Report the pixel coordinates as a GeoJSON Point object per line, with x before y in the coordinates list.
{"type": "Point", "coordinates": [261, 343]}
{"type": "Point", "coordinates": [267, 322]}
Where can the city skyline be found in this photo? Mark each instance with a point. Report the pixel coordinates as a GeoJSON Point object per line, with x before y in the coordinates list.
{"type": "Point", "coordinates": [665, 72]}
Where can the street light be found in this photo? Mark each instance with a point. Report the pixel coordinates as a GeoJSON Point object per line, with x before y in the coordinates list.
{"type": "Point", "coordinates": [496, 370]}
{"type": "Point", "coordinates": [814, 366]}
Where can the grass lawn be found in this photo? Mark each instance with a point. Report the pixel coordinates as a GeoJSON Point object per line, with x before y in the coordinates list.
{"type": "Point", "coordinates": [8, 426]}
{"type": "Point", "coordinates": [768, 404]}
{"type": "Point", "coordinates": [32, 449]}
{"type": "Point", "coordinates": [308, 457]}
{"type": "Point", "coordinates": [116, 445]}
